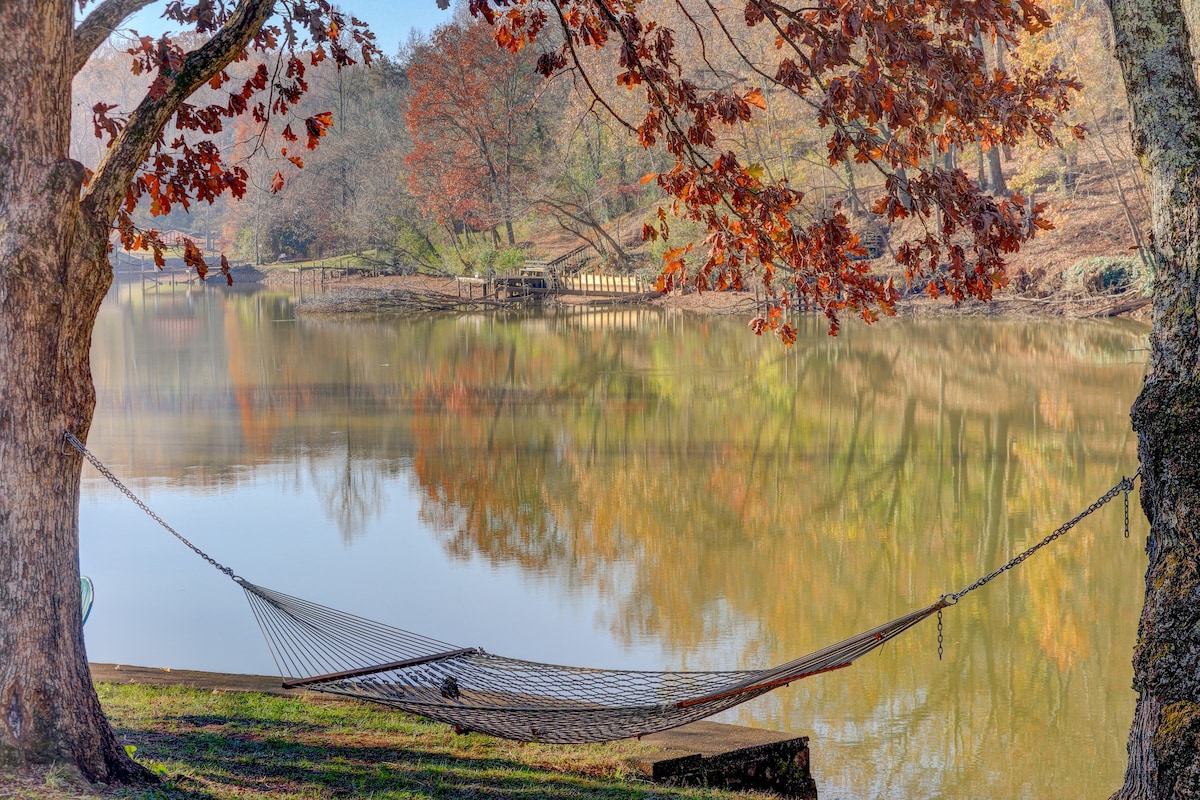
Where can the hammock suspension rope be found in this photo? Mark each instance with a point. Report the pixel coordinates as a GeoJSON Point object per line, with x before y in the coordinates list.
{"type": "Point", "coordinates": [323, 649]}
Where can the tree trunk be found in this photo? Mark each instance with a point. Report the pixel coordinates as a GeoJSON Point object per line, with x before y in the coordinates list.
{"type": "Point", "coordinates": [54, 273]}
{"type": "Point", "coordinates": [994, 180]}
{"type": "Point", "coordinates": [48, 708]}
{"type": "Point", "coordinates": [49, 297]}
{"type": "Point", "coordinates": [1164, 741]}
{"type": "Point", "coordinates": [996, 183]}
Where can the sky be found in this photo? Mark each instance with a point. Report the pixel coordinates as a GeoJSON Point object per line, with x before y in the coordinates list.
{"type": "Point", "coordinates": [391, 20]}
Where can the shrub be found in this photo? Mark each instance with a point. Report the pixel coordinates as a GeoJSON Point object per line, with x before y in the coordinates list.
{"type": "Point", "coordinates": [1109, 275]}
{"type": "Point", "coordinates": [485, 260]}
{"type": "Point", "coordinates": [510, 259]}
{"type": "Point", "coordinates": [413, 245]}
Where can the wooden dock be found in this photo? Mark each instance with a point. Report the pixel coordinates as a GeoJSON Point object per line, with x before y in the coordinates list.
{"type": "Point", "coordinates": [699, 754]}
{"type": "Point", "coordinates": [605, 285]}
{"type": "Point", "coordinates": [538, 280]}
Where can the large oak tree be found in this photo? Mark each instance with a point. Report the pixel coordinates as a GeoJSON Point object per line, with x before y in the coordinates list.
{"type": "Point", "coordinates": [56, 220]}
{"type": "Point", "coordinates": [1159, 65]}
{"type": "Point", "coordinates": [896, 85]}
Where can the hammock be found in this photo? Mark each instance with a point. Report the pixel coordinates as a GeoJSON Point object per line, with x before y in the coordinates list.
{"type": "Point", "coordinates": [320, 648]}
{"type": "Point", "coordinates": [335, 652]}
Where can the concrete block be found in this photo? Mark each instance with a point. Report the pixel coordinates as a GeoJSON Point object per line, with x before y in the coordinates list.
{"type": "Point", "coordinates": [730, 757]}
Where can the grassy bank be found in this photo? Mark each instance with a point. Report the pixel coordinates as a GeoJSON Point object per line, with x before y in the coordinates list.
{"type": "Point", "coordinates": [211, 745]}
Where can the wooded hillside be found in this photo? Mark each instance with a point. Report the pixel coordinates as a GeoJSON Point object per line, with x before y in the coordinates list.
{"type": "Point", "coordinates": [454, 156]}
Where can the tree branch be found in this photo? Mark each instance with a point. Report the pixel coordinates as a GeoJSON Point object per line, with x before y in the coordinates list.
{"type": "Point", "coordinates": [146, 123]}
{"type": "Point", "coordinates": [583, 217]}
{"type": "Point", "coordinates": [104, 19]}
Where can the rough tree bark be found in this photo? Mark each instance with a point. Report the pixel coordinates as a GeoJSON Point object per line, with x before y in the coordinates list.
{"type": "Point", "coordinates": [47, 706]}
{"type": "Point", "coordinates": [1164, 742]}
{"type": "Point", "coordinates": [54, 273]}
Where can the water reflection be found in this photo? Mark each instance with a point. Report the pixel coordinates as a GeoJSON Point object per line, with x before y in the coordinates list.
{"type": "Point", "coordinates": [695, 492]}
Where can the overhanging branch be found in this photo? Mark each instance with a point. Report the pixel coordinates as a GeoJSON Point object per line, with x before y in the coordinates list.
{"type": "Point", "coordinates": [98, 25]}
{"type": "Point", "coordinates": [146, 123]}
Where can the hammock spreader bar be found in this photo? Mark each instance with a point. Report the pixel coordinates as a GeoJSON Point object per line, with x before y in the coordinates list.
{"type": "Point", "coordinates": [359, 673]}
{"type": "Point", "coordinates": [327, 650]}
{"type": "Point", "coordinates": [765, 685]}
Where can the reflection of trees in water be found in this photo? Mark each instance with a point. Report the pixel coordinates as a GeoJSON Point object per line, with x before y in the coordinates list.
{"type": "Point", "coordinates": [715, 469]}
{"type": "Point", "coordinates": [350, 487]}
{"type": "Point", "coordinates": [740, 505]}
{"type": "Point", "coordinates": [772, 524]}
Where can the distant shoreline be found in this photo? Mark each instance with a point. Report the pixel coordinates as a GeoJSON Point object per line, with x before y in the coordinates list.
{"type": "Point", "coordinates": [352, 294]}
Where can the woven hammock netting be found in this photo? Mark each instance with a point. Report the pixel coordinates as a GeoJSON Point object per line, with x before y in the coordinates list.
{"type": "Point", "coordinates": [331, 651]}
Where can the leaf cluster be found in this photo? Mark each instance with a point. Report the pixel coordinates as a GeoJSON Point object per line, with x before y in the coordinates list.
{"type": "Point", "coordinates": [892, 85]}
{"type": "Point", "coordinates": [186, 166]}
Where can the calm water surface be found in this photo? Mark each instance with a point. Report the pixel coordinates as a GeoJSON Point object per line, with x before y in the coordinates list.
{"type": "Point", "coordinates": [633, 489]}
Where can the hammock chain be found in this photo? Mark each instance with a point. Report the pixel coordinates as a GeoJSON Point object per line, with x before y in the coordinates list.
{"type": "Point", "coordinates": [1124, 485]}
{"type": "Point", "coordinates": [70, 438]}
{"type": "Point", "coordinates": [1128, 489]}
{"type": "Point", "coordinates": [939, 634]}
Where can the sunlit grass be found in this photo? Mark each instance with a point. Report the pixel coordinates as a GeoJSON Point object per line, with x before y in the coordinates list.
{"type": "Point", "coordinates": [217, 745]}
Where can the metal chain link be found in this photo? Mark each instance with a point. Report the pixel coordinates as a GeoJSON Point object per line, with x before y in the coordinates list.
{"type": "Point", "coordinates": [1128, 489]}
{"type": "Point", "coordinates": [939, 634]}
{"type": "Point", "coordinates": [69, 438]}
{"type": "Point", "coordinates": [1124, 485]}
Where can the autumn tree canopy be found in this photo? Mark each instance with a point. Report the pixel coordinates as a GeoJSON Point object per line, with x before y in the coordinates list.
{"type": "Point", "coordinates": [187, 167]}
{"type": "Point", "coordinates": [894, 85]}
{"type": "Point", "coordinates": [474, 127]}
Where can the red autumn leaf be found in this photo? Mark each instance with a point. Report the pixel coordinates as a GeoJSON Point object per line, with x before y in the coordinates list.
{"type": "Point", "coordinates": [316, 126]}
{"type": "Point", "coordinates": [193, 258]}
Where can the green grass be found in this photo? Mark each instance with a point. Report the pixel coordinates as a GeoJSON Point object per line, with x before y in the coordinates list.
{"type": "Point", "coordinates": [209, 745]}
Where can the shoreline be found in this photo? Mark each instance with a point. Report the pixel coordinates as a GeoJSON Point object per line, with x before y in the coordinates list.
{"type": "Point", "coordinates": [348, 295]}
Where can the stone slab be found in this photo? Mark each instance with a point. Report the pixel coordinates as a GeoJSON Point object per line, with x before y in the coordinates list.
{"type": "Point", "coordinates": [730, 757]}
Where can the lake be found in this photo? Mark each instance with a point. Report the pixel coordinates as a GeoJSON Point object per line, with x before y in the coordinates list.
{"type": "Point", "coordinates": [636, 489]}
